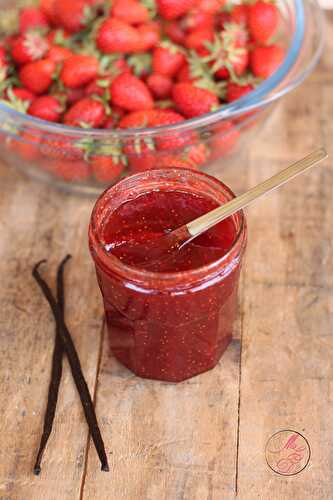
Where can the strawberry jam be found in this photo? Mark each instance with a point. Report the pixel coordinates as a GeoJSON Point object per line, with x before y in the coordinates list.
{"type": "Point", "coordinates": [172, 321]}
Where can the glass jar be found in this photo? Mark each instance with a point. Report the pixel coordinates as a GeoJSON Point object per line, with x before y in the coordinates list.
{"type": "Point", "coordinates": [167, 326]}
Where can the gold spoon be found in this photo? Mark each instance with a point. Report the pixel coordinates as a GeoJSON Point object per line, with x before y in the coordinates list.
{"type": "Point", "coordinates": [163, 248]}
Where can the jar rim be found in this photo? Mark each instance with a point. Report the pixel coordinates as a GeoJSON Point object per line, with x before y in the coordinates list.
{"type": "Point", "coordinates": [138, 275]}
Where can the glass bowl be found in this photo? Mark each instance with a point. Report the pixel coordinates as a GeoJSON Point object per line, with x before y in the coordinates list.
{"type": "Point", "coordinates": [86, 161]}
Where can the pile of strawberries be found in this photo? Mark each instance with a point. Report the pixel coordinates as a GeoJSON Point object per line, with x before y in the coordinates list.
{"type": "Point", "coordinates": [133, 64]}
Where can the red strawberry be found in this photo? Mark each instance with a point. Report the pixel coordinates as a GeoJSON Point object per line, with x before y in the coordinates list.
{"type": "Point", "coordinates": [235, 91]}
{"type": "Point", "coordinates": [239, 14]}
{"type": "Point", "coordinates": [32, 18]}
{"type": "Point", "coordinates": [193, 101]}
{"type": "Point", "coordinates": [172, 9]}
{"type": "Point", "coordinates": [230, 52]}
{"type": "Point", "coordinates": [167, 60]}
{"type": "Point", "coordinates": [97, 87]}
{"type": "Point", "coordinates": [23, 94]}
{"type": "Point", "coordinates": [29, 47]}
{"type": "Point", "coordinates": [170, 140]}
{"type": "Point", "coordinates": [224, 139]}
{"type": "Point", "coordinates": [184, 75]}
{"type": "Point", "coordinates": [70, 170]}
{"type": "Point", "coordinates": [61, 148]}
{"type": "Point", "coordinates": [74, 95]}
{"type": "Point", "coordinates": [48, 9]}
{"type": "Point", "coordinates": [263, 20]}
{"type": "Point", "coordinates": [149, 34]}
{"type": "Point", "coordinates": [59, 54]}
{"type": "Point", "coordinates": [211, 6]}
{"type": "Point", "coordinates": [174, 161]}
{"type": "Point", "coordinates": [37, 76]}
{"type": "Point", "coordinates": [87, 113]}
{"type": "Point", "coordinates": [129, 92]}
{"type": "Point", "coordinates": [46, 108]}
{"type": "Point", "coordinates": [58, 37]}
{"type": "Point", "coordinates": [115, 35]}
{"type": "Point", "coordinates": [264, 61]}
{"type": "Point", "coordinates": [197, 154]}
{"type": "Point", "coordinates": [140, 157]}
{"type": "Point", "coordinates": [73, 15]}
{"type": "Point", "coordinates": [197, 40]}
{"type": "Point", "coordinates": [27, 146]}
{"type": "Point", "coordinates": [137, 119]}
{"type": "Point", "coordinates": [106, 168]}
{"type": "Point", "coordinates": [198, 19]}
{"type": "Point", "coordinates": [130, 11]}
{"type": "Point", "coordinates": [175, 32]}
{"type": "Point", "coordinates": [79, 70]}
{"type": "Point", "coordinates": [160, 85]}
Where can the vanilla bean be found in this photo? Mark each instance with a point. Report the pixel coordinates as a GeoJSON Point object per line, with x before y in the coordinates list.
{"type": "Point", "coordinates": [56, 372]}
{"type": "Point", "coordinates": [75, 366]}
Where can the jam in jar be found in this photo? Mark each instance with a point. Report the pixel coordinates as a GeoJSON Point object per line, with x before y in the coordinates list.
{"type": "Point", "coordinates": [173, 322]}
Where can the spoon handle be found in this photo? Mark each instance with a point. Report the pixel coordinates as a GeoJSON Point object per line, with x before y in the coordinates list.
{"type": "Point", "coordinates": [208, 220]}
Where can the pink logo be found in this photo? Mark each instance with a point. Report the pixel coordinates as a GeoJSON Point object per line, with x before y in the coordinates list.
{"type": "Point", "coordinates": [287, 452]}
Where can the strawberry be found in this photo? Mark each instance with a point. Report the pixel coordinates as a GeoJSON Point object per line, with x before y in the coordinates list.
{"type": "Point", "coordinates": [264, 61]}
{"type": "Point", "coordinates": [172, 9]}
{"type": "Point", "coordinates": [74, 95]}
{"type": "Point", "coordinates": [29, 47]}
{"type": "Point", "coordinates": [160, 85]}
{"type": "Point", "coordinates": [197, 154]}
{"type": "Point", "coordinates": [32, 18]}
{"type": "Point", "coordinates": [211, 6]}
{"type": "Point", "coordinates": [130, 11]}
{"type": "Point", "coordinates": [224, 140]}
{"type": "Point", "coordinates": [98, 87]}
{"type": "Point", "coordinates": [197, 19]}
{"type": "Point", "coordinates": [137, 119]}
{"type": "Point", "coordinates": [129, 92]}
{"type": "Point", "coordinates": [193, 101]}
{"type": "Point", "coordinates": [175, 32]}
{"type": "Point", "coordinates": [48, 9]}
{"type": "Point", "coordinates": [168, 59]}
{"type": "Point", "coordinates": [149, 34]}
{"type": "Point", "coordinates": [27, 145]}
{"type": "Point", "coordinates": [37, 76]}
{"type": "Point", "coordinates": [239, 14]}
{"type": "Point", "coordinates": [73, 15]}
{"type": "Point", "coordinates": [87, 113]}
{"type": "Point", "coordinates": [184, 75]}
{"type": "Point", "coordinates": [198, 39]}
{"type": "Point", "coordinates": [58, 147]}
{"type": "Point", "coordinates": [115, 35]}
{"type": "Point", "coordinates": [140, 156]}
{"type": "Point", "coordinates": [59, 54]}
{"type": "Point", "coordinates": [174, 161]}
{"type": "Point", "coordinates": [263, 18]}
{"type": "Point", "coordinates": [70, 170]}
{"type": "Point", "coordinates": [58, 37]}
{"type": "Point", "coordinates": [47, 108]}
{"type": "Point", "coordinates": [106, 168]}
{"type": "Point", "coordinates": [229, 53]}
{"type": "Point", "coordinates": [79, 70]}
{"type": "Point", "coordinates": [23, 94]}
{"type": "Point", "coordinates": [235, 91]}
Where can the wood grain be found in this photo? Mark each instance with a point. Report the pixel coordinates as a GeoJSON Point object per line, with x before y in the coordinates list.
{"type": "Point", "coordinates": [203, 439]}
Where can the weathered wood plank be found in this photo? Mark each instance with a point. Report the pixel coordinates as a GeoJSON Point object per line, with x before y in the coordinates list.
{"type": "Point", "coordinates": [38, 223]}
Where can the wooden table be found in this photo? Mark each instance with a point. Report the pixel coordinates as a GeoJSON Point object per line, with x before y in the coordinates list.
{"type": "Point", "coordinates": [203, 439]}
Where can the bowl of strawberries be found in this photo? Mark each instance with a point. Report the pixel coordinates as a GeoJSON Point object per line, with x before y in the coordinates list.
{"type": "Point", "coordinates": [94, 90]}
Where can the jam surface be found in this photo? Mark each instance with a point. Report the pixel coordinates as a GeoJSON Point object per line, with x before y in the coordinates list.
{"type": "Point", "coordinates": [156, 213]}
{"type": "Point", "coordinates": [159, 330]}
